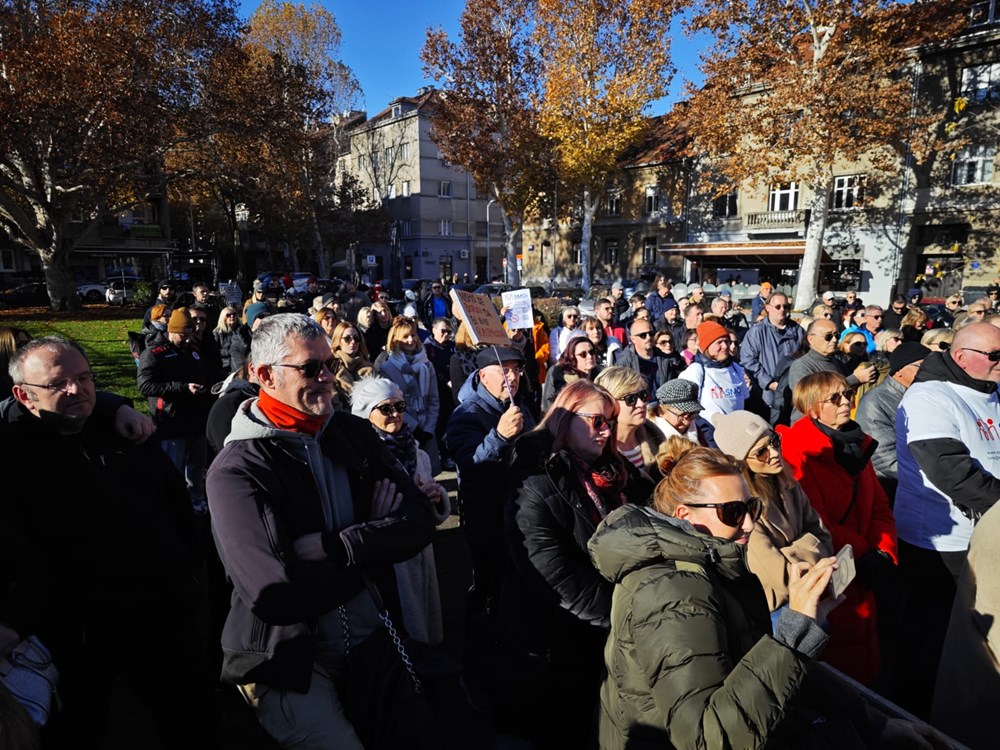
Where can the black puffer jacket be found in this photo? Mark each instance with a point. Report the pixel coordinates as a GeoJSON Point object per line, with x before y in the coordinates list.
{"type": "Point", "coordinates": [553, 592]}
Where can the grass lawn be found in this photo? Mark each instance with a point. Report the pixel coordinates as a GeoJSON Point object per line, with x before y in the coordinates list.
{"type": "Point", "coordinates": [101, 331]}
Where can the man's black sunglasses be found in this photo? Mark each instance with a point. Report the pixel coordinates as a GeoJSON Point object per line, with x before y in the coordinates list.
{"type": "Point", "coordinates": [993, 356]}
{"type": "Point", "coordinates": [733, 513]}
{"type": "Point", "coordinates": [311, 368]}
{"type": "Point", "coordinates": [643, 335]}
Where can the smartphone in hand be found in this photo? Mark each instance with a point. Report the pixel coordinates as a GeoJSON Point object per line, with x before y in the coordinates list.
{"type": "Point", "coordinates": [844, 573]}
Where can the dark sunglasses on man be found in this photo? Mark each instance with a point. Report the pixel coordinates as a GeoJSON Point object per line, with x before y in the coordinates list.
{"type": "Point", "coordinates": [311, 368]}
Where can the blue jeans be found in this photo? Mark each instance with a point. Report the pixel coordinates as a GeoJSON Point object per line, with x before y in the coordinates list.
{"type": "Point", "coordinates": [189, 454]}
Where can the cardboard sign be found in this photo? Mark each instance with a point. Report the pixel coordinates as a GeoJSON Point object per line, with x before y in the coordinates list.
{"type": "Point", "coordinates": [518, 304]}
{"type": "Point", "coordinates": [481, 317]}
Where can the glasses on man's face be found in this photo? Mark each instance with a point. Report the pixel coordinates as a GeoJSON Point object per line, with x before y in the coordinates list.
{"type": "Point", "coordinates": [764, 453]}
{"type": "Point", "coordinates": [642, 335]}
{"type": "Point", "coordinates": [435, 289]}
{"type": "Point", "coordinates": [993, 356]}
{"type": "Point", "coordinates": [83, 380]}
{"type": "Point", "coordinates": [873, 315]}
{"type": "Point", "coordinates": [598, 422]}
{"type": "Point", "coordinates": [828, 336]}
{"type": "Point", "coordinates": [514, 371]}
{"type": "Point", "coordinates": [312, 367]}
{"type": "Point", "coordinates": [631, 399]}
{"type": "Point", "coordinates": [685, 415]}
{"type": "Point", "coordinates": [166, 288]}
{"type": "Point", "coordinates": [387, 410]}
{"type": "Point", "coordinates": [733, 512]}
{"type": "Point", "coordinates": [845, 396]}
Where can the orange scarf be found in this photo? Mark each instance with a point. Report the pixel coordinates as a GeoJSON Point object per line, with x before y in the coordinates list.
{"type": "Point", "coordinates": [285, 417]}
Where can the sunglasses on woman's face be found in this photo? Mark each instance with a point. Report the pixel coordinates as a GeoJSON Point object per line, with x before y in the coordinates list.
{"type": "Point", "coordinates": [599, 422]}
{"type": "Point", "coordinates": [640, 396]}
{"type": "Point", "coordinates": [764, 453]}
{"type": "Point", "coordinates": [839, 398]}
{"type": "Point", "coordinates": [582, 353]}
{"type": "Point", "coordinates": [733, 513]}
{"type": "Point", "coordinates": [349, 338]}
{"type": "Point", "coordinates": [387, 410]}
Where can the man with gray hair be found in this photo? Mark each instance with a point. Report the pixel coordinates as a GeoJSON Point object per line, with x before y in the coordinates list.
{"type": "Point", "coordinates": [293, 498]}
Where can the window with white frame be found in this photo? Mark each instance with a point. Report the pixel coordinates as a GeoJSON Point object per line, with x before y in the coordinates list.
{"type": "Point", "coordinates": [444, 189]}
{"type": "Point", "coordinates": [649, 251]}
{"type": "Point", "coordinates": [724, 207]}
{"type": "Point", "coordinates": [652, 199]}
{"type": "Point", "coordinates": [848, 191]}
{"type": "Point", "coordinates": [614, 203]}
{"type": "Point", "coordinates": [404, 151]}
{"type": "Point", "coordinates": [445, 227]}
{"type": "Point", "coordinates": [784, 197]}
{"type": "Point", "coordinates": [397, 110]}
{"type": "Point", "coordinates": [973, 165]}
{"type": "Point", "coordinates": [576, 253]}
{"type": "Point", "coordinates": [392, 191]}
{"type": "Point", "coordinates": [984, 13]}
{"type": "Point", "coordinates": [390, 156]}
{"type": "Point", "coordinates": [611, 251]}
{"type": "Point", "coordinates": [981, 82]}
{"type": "Point", "coordinates": [406, 189]}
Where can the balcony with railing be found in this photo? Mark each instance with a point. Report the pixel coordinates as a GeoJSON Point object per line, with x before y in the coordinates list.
{"type": "Point", "coordinates": [794, 220]}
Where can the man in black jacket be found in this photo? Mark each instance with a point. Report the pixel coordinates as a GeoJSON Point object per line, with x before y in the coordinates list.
{"type": "Point", "coordinates": [303, 502]}
{"type": "Point", "coordinates": [99, 559]}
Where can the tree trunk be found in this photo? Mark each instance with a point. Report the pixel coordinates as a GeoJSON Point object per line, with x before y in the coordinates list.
{"type": "Point", "coordinates": [809, 273]}
{"type": "Point", "coordinates": [513, 227]}
{"type": "Point", "coordinates": [591, 199]}
{"type": "Point", "coordinates": [59, 276]}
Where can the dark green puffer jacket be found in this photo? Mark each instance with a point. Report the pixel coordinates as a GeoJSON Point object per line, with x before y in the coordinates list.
{"type": "Point", "coordinates": [691, 661]}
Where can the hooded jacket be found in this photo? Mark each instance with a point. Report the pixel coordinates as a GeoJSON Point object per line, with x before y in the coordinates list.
{"type": "Point", "coordinates": [948, 451]}
{"type": "Point", "coordinates": [690, 659]}
{"type": "Point", "coordinates": [855, 510]}
{"type": "Point", "coordinates": [266, 488]}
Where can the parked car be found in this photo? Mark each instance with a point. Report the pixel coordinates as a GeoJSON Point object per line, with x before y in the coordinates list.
{"type": "Point", "coordinates": [35, 294]}
{"type": "Point", "coordinates": [98, 291]}
{"type": "Point", "coordinates": [493, 290]}
{"type": "Point", "coordinates": [119, 292]}
{"type": "Point", "coordinates": [570, 295]}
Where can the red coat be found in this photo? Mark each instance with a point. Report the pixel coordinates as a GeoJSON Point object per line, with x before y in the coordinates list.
{"type": "Point", "coordinates": [866, 523]}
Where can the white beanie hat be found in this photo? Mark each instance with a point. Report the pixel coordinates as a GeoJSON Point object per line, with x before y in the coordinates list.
{"type": "Point", "coordinates": [371, 391]}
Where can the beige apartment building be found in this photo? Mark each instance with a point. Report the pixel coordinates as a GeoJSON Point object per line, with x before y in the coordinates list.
{"type": "Point", "coordinates": [440, 225]}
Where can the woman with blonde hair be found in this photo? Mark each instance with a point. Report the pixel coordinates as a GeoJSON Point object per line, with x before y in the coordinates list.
{"type": "Point", "coordinates": [938, 339]}
{"type": "Point", "coordinates": [830, 456]}
{"type": "Point", "coordinates": [327, 320]}
{"type": "Point", "coordinates": [407, 365]}
{"type": "Point", "coordinates": [566, 475]}
{"type": "Point", "coordinates": [913, 324]}
{"type": "Point", "coordinates": [351, 362]}
{"type": "Point", "coordinates": [226, 335]}
{"type": "Point", "coordinates": [638, 438]}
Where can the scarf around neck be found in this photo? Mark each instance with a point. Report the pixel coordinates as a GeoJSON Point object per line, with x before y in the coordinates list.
{"type": "Point", "coordinates": [286, 417]}
{"type": "Point", "coordinates": [402, 446]}
{"type": "Point", "coordinates": [604, 481]}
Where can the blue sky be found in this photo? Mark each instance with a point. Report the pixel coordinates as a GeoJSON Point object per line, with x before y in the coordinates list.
{"type": "Point", "coordinates": [382, 41]}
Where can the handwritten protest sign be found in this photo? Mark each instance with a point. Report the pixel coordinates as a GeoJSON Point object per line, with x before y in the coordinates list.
{"type": "Point", "coordinates": [518, 304]}
{"type": "Point", "coordinates": [481, 317]}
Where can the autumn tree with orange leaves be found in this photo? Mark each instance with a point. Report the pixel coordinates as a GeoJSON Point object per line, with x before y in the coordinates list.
{"type": "Point", "coordinates": [794, 89]}
{"type": "Point", "coordinates": [605, 63]}
{"type": "Point", "coordinates": [92, 97]}
{"type": "Point", "coordinates": [486, 121]}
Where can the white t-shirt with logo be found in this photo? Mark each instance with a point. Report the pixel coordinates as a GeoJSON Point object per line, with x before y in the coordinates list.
{"type": "Point", "coordinates": [721, 390]}
{"type": "Point", "coordinates": [925, 516]}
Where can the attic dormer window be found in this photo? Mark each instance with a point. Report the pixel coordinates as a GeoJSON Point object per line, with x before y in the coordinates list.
{"type": "Point", "coordinates": [397, 110]}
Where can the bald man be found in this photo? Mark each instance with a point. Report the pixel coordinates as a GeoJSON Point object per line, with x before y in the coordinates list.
{"type": "Point", "coordinates": [948, 450]}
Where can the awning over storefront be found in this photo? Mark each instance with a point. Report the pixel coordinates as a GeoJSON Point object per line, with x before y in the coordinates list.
{"type": "Point", "coordinates": [734, 254]}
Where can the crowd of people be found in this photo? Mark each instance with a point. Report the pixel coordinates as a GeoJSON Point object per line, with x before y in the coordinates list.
{"type": "Point", "coordinates": [655, 500]}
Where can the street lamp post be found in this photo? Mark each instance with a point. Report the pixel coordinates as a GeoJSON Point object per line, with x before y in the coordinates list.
{"type": "Point", "coordinates": [489, 265]}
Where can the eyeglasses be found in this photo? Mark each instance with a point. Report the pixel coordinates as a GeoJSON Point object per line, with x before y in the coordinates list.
{"type": "Point", "coordinates": [765, 453]}
{"type": "Point", "coordinates": [779, 307]}
{"type": "Point", "coordinates": [876, 317]}
{"type": "Point", "coordinates": [445, 331]}
{"type": "Point", "coordinates": [599, 422]}
{"type": "Point", "coordinates": [733, 513]}
{"type": "Point", "coordinates": [643, 335]}
{"type": "Point", "coordinates": [311, 368]}
{"type": "Point", "coordinates": [586, 353]}
{"type": "Point", "coordinates": [572, 317]}
{"type": "Point", "coordinates": [688, 415]}
{"type": "Point", "coordinates": [845, 396]}
{"type": "Point", "coordinates": [230, 315]}
{"type": "Point", "coordinates": [630, 399]}
{"type": "Point", "coordinates": [435, 289]}
{"type": "Point", "coordinates": [828, 336]}
{"type": "Point", "coordinates": [166, 288]}
{"type": "Point", "coordinates": [62, 384]}
{"type": "Point", "coordinates": [993, 356]}
{"type": "Point", "coordinates": [198, 321]}
{"type": "Point", "coordinates": [349, 338]}
{"type": "Point", "coordinates": [510, 371]}
{"type": "Point", "coordinates": [387, 410]}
